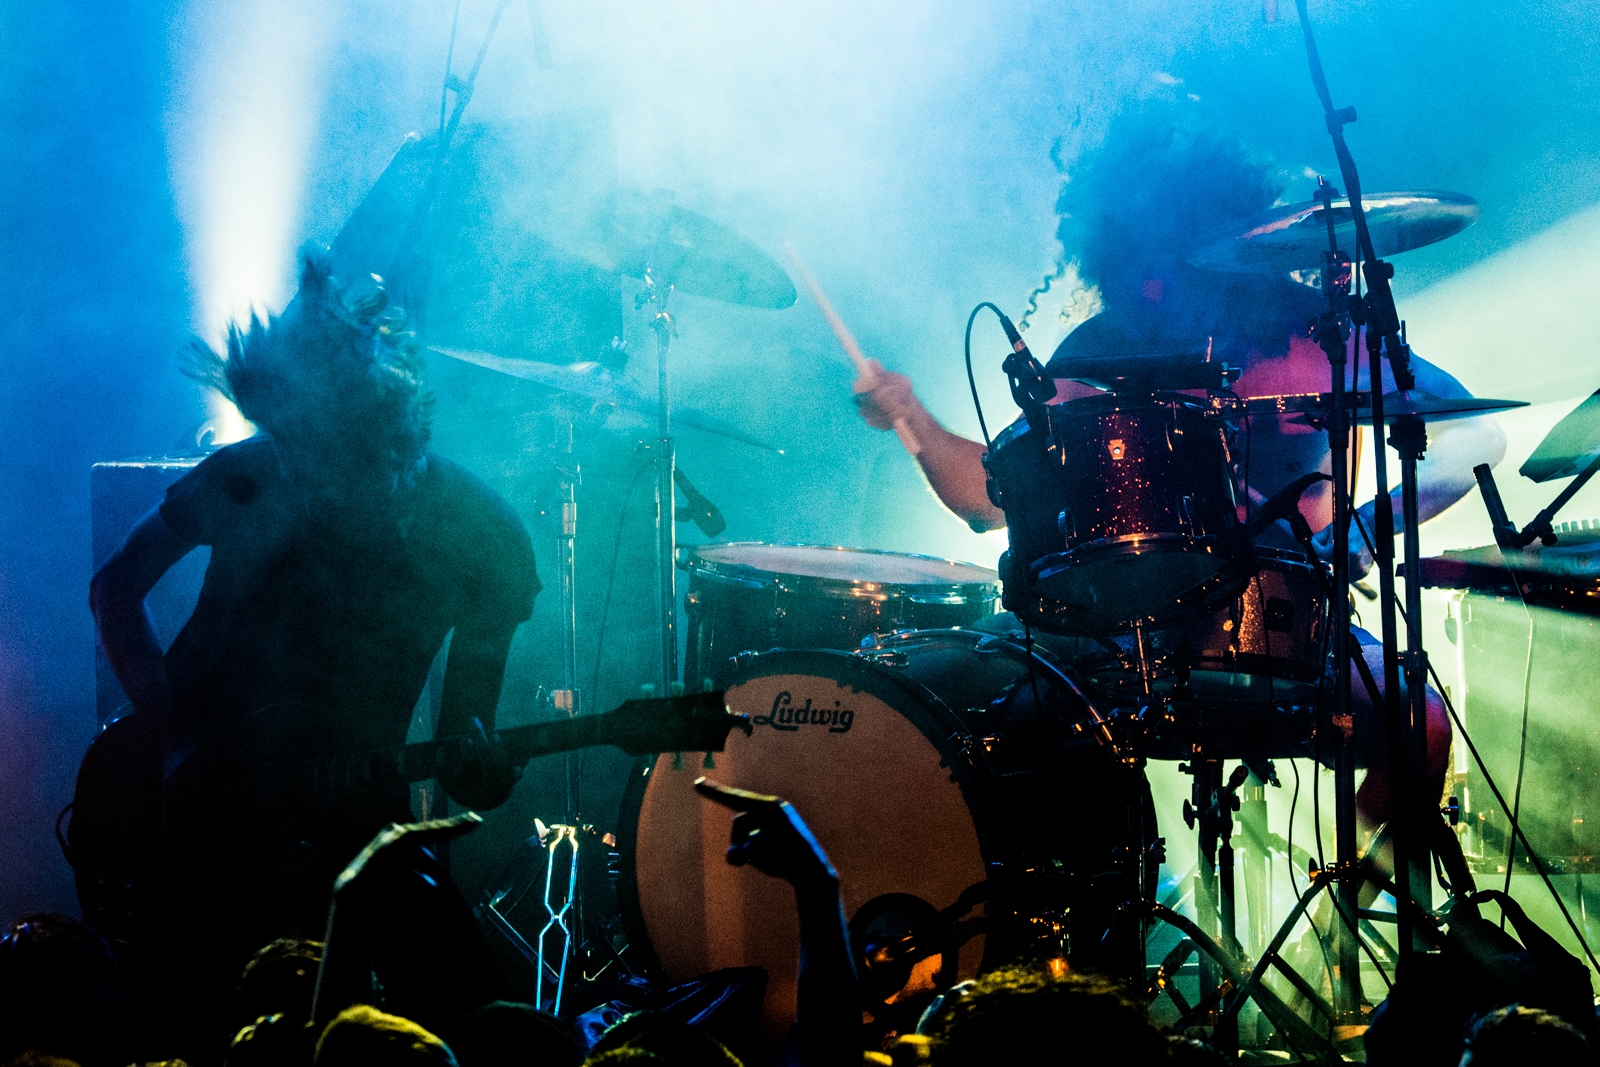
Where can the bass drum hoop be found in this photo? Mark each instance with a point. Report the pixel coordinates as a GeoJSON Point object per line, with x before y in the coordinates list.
{"type": "Point", "coordinates": [933, 718]}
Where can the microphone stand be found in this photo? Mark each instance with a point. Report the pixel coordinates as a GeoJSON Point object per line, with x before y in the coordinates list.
{"type": "Point", "coordinates": [1406, 720]}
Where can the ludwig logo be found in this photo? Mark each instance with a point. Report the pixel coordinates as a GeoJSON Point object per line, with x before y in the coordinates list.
{"type": "Point", "coordinates": [785, 716]}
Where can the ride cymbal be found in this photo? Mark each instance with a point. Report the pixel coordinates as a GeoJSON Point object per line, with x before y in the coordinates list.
{"type": "Point", "coordinates": [1295, 237]}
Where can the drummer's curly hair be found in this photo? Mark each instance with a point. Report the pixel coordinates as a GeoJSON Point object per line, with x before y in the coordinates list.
{"type": "Point", "coordinates": [338, 365]}
{"type": "Point", "coordinates": [1135, 206]}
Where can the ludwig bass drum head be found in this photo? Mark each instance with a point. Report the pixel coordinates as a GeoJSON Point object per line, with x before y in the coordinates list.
{"type": "Point", "coordinates": [863, 757]}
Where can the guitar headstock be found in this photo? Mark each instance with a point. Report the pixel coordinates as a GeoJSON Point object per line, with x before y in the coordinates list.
{"type": "Point", "coordinates": [694, 722]}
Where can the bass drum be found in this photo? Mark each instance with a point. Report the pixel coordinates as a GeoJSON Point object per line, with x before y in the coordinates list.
{"type": "Point", "coordinates": [969, 821]}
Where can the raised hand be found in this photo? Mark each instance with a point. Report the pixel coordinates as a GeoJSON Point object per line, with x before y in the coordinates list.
{"type": "Point", "coordinates": [883, 396]}
{"type": "Point", "coordinates": [770, 836]}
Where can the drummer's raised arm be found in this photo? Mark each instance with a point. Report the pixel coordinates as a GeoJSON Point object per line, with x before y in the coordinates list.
{"type": "Point", "coordinates": [952, 464]}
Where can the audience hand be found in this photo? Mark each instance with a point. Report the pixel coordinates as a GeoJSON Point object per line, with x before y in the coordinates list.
{"type": "Point", "coordinates": [770, 836]}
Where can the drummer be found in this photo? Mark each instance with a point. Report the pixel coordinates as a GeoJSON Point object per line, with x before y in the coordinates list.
{"type": "Point", "coordinates": [1130, 213]}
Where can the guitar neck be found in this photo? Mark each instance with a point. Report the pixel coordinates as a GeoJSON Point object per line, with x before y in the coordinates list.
{"type": "Point", "coordinates": [430, 759]}
{"type": "Point", "coordinates": [688, 723]}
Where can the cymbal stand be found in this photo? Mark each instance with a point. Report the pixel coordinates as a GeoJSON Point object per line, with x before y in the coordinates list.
{"type": "Point", "coordinates": [568, 698]}
{"type": "Point", "coordinates": [658, 293]}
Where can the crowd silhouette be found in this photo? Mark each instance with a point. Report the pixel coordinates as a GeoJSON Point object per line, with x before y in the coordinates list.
{"type": "Point", "coordinates": [404, 978]}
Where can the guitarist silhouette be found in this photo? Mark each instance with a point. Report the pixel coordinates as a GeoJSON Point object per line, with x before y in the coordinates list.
{"type": "Point", "coordinates": [342, 556]}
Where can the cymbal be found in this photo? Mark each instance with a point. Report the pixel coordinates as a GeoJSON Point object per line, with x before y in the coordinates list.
{"type": "Point", "coordinates": [1314, 407]}
{"type": "Point", "coordinates": [594, 382]}
{"type": "Point", "coordinates": [1433, 408]}
{"type": "Point", "coordinates": [1571, 445]}
{"type": "Point", "coordinates": [1294, 237]}
{"type": "Point", "coordinates": [689, 251]}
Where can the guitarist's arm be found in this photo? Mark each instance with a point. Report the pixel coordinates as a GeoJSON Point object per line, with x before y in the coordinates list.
{"type": "Point", "coordinates": [116, 597]}
{"type": "Point", "coordinates": [474, 671]}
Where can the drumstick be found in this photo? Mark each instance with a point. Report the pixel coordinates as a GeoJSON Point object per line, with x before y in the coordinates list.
{"type": "Point", "coordinates": [864, 369]}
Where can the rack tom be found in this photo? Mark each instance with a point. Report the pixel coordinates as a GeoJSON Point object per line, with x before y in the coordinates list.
{"type": "Point", "coordinates": [1121, 513]}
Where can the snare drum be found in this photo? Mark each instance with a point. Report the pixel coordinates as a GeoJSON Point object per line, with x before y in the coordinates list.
{"type": "Point", "coordinates": [1121, 514]}
{"type": "Point", "coordinates": [930, 776]}
{"type": "Point", "coordinates": [749, 597]}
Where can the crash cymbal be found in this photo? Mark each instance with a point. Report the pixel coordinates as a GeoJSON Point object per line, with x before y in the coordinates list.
{"type": "Point", "coordinates": [1433, 408]}
{"type": "Point", "coordinates": [689, 251]}
{"type": "Point", "coordinates": [1294, 237]}
{"type": "Point", "coordinates": [594, 382]}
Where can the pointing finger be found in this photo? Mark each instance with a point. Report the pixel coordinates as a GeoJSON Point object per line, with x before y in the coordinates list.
{"type": "Point", "coordinates": [730, 797]}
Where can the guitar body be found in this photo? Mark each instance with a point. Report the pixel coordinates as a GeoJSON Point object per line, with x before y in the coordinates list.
{"type": "Point", "coordinates": [248, 823]}
{"type": "Point", "coordinates": [157, 834]}
{"type": "Point", "coordinates": [115, 841]}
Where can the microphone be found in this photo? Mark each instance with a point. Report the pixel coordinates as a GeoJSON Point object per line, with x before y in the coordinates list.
{"type": "Point", "coordinates": [1031, 386]}
{"type": "Point", "coordinates": [702, 512]}
{"type": "Point", "coordinates": [1284, 505]}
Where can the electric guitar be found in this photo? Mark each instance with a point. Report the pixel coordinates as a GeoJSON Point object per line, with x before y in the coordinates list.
{"type": "Point", "coordinates": [144, 815]}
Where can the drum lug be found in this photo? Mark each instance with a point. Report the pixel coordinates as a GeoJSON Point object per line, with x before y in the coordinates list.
{"type": "Point", "coordinates": [1066, 526]}
{"type": "Point", "coordinates": [967, 742]}
{"type": "Point", "coordinates": [878, 640]}
{"type": "Point", "coordinates": [989, 645]}
{"type": "Point", "coordinates": [884, 657]}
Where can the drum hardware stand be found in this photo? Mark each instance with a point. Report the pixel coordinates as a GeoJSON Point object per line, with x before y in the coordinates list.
{"type": "Point", "coordinates": [555, 948]}
{"type": "Point", "coordinates": [658, 292]}
{"type": "Point", "coordinates": [1407, 724]}
{"type": "Point", "coordinates": [1253, 825]}
{"type": "Point", "coordinates": [1211, 813]}
{"type": "Point", "coordinates": [1236, 983]}
{"type": "Point", "coordinates": [556, 923]}
{"type": "Point", "coordinates": [567, 698]}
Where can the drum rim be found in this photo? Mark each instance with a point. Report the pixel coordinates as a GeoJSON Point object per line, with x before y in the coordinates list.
{"type": "Point", "coordinates": [726, 573]}
{"type": "Point", "coordinates": [1129, 545]}
{"type": "Point", "coordinates": [950, 737]}
{"type": "Point", "coordinates": [1107, 403]}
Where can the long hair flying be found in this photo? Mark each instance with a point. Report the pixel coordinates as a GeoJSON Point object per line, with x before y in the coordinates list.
{"type": "Point", "coordinates": [336, 378]}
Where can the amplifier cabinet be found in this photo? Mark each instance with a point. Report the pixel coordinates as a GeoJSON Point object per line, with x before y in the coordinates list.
{"type": "Point", "coordinates": [1560, 809]}
{"type": "Point", "coordinates": [120, 493]}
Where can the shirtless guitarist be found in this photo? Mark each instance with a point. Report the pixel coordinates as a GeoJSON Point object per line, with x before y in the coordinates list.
{"type": "Point", "coordinates": [343, 554]}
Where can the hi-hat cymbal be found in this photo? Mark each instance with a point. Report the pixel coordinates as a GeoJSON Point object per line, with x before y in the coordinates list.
{"type": "Point", "coordinates": [594, 382]}
{"type": "Point", "coordinates": [1295, 237]}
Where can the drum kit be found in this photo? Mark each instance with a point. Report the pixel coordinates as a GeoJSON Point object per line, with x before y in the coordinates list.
{"type": "Point", "coordinates": [977, 776]}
